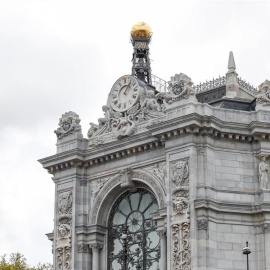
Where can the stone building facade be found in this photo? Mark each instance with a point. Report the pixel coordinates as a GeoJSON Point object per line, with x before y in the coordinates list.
{"type": "Point", "coordinates": [173, 177]}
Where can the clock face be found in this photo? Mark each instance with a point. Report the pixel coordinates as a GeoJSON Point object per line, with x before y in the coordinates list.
{"type": "Point", "coordinates": [124, 93]}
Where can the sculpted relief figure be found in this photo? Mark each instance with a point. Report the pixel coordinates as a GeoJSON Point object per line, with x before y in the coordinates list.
{"type": "Point", "coordinates": [107, 114]}
{"type": "Point", "coordinates": [263, 173]}
{"type": "Point", "coordinates": [93, 128]}
{"type": "Point", "coordinates": [148, 100]}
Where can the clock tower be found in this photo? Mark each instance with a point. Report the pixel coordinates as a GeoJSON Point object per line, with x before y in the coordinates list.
{"type": "Point", "coordinates": [140, 37]}
{"type": "Point", "coordinates": [166, 180]}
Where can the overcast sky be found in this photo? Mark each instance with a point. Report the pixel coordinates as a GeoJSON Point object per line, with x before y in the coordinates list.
{"type": "Point", "coordinates": [59, 56]}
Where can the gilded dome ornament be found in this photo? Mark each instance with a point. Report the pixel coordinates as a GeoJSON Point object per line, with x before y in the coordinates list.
{"type": "Point", "coordinates": [141, 30]}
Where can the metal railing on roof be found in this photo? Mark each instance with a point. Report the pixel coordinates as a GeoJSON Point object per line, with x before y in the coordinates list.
{"type": "Point", "coordinates": [159, 83]}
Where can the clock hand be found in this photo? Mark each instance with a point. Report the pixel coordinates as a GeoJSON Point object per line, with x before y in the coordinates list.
{"type": "Point", "coordinates": [127, 88]}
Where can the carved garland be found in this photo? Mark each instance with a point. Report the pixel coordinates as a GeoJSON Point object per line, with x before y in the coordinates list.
{"type": "Point", "coordinates": [180, 219]}
{"type": "Point", "coordinates": [63, 242]}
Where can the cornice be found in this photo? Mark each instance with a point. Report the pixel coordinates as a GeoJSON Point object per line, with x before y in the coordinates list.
{"type": "Point", "coordinates": [198, 119]}
{"type": "Point", "coordinates": [231, 207]}
{"type": "Point", "coordinates": [101, 155]}
{"type": "Point", "coordinates": [210, 125]}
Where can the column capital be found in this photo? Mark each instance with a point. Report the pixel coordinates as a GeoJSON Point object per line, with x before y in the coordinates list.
{"type": "Point", "coordinates": [96, 247]}
{"type": "Point", "coordinates": [83, 248]}
{"type": "Point", "coordinates": [266, 227]}
{"type": "Point", "coordinates": [162, 233]}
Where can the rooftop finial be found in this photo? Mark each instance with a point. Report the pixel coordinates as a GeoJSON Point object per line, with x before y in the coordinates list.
{"type": "Point", "coordinates": [231, 63]}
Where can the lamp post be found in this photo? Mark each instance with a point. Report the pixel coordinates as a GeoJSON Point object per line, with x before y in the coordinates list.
{"type": "Point", "coordinates": [246, 251]}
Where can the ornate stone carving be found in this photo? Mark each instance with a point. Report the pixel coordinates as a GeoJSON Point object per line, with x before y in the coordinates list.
{"type": "Point", "coordinates": [159, 169]}
{"type": "Point", "coordinates": [180, 226]}
{"type": "Point", "coordinates": [180, 173]}
{"type": "Point", "coordinates": [96, 247]}
{"type": "Point", "coordinates": [181, 246]}
{"type": "Point", "coordinates": [266, 227]}
{"type": "Point", "coordinates": [124, 127]}
{"type": "Point", "coordinates": [122, 124]}
{"type": "Point", "coordinates": [110, 184]}
{"type": "Point", "coordinates": [180, 181]}
{"type": "Point", "coordinates": [125, 178]}
{"type": "Point", "coordinates": [180, 87]}
{"type": "Point", "coordinates": [93, 128]}
{"type": "Point", "coordinates": [96, 186]}
{"type": "Point", "coordinates": [83, 183]}
{"type": "Point", "coordinates": [60, 253]}
{"type": "Point", "coordinates": [162, 234]}
{"type": "Point", "coordinates": [83, 248]}
{"type": "Point", "coordinates": [263, 97]}
{"type": "Point", "coordinates": [180, 204]}
{"type": "Point", "coordinates": [263, 173]}
{"type": "Point", "coordinates": [200, 150]}
{"type": "Point", "coordinates": [65, 203]}
{"type": "Point", "coordinates": [69, 124]}
{"type": "Point", "coordinates": [63, 241]}
{"type": "Point", "coordinates": [202, 224]}
{"type": "Point", "coordinates": [149, 102]}
{"type": "Point", "coordinates": [153, 184]}
{"type": "Point", "coordinates": [63, 230]}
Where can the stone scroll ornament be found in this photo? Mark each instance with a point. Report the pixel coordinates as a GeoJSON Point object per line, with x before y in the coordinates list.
{"type": "Point", "coordinates": [63, 240]}
{"type": "Point", "coordinates": [69, 124]}
{"type": "Point", "coordinates": [263, 97]}
{"type": "Point", "coordinates": [180, 216]}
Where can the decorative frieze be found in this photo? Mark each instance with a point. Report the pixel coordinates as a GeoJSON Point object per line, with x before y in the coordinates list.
{"type": "Point", "coordinates": [202, 224]}
{"type": "Point", "coordinates": [63, 240]}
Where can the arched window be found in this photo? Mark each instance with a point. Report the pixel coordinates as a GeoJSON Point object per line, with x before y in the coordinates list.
{"type": "Point", "coordinates": [133, 242]}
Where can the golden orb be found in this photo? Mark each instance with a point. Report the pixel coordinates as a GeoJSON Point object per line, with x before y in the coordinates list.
{"type": "Point", "coordinates": [141, 30]}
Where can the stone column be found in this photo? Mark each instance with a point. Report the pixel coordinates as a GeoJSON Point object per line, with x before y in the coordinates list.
{"type": "Point", "coordinates": [266, 228]}
{"type": "Point", "coordinates": [95, 258]}
{"type": "Point", "coordinates": [163, 250]}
